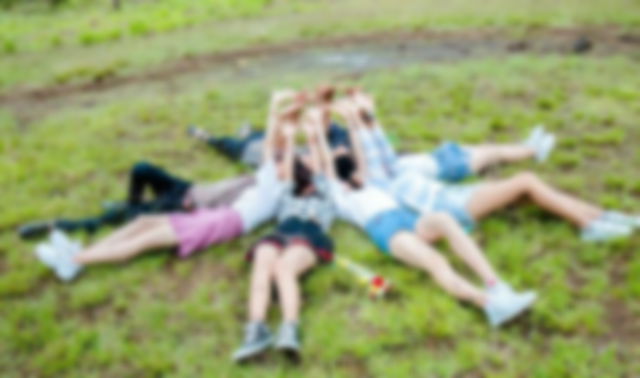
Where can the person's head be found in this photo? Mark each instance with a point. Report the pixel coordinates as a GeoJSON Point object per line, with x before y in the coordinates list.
{"type": "Point", "coordinates": [302, 178]}
{"type": "Point", "coordinates": [346, 167]}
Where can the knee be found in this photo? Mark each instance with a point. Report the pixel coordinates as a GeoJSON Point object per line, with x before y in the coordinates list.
{"type": "Point", "coordinates": [527, 178]}
{"type": "Point", "coordinates": [141, 168]}
{"type": "Point", "coordinates": [439, 221]}
{"type": "Point", "coordinates": [285, 267]}
{"type": "Point", "coordinates": [265, 254]}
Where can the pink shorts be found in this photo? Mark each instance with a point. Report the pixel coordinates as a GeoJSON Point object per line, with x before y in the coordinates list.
{"type": "Point", "coordinates": [202, 228]}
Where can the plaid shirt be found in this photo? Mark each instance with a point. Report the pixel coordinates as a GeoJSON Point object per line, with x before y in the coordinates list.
{"type": "Point", "coordinates": [412, 189]}
{"type": "Point", "coordinates": [379, 155]}
{"type": "Point", "coordinates": [416, 191]}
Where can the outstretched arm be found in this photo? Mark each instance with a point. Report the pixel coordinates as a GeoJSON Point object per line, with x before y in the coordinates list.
{"type": "Point", "coordinates": [318, 146]}
{"type": "Point", "coordinates": [346, 109]}
{"type": "Point", "coordinates": [367, 115]}
{"type": "Point", "coordinates": [278, 99]}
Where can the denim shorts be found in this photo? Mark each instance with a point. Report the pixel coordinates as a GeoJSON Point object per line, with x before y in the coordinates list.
{"type": "Point", "coordinates": [386, 225]}
{"type": "Point", "coordinates": [454, 162]}
{"type": "Point", "coordinates": [454, 200]}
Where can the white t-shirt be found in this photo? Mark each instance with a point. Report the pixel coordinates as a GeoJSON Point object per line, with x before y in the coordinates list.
{"type": "Point", "coordinates": [260, 202]}
{"type": "Point", "coordinates": [360, 206]}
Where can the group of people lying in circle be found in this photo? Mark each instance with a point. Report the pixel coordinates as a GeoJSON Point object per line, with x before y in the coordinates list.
{"type": "Point", "coordinates": [403, 202]}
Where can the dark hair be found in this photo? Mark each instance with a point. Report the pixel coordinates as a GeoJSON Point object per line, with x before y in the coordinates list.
{"type": "Point", "coordinates": [345, 166]}
{"type": "Point", "coordinates": [302, 177]}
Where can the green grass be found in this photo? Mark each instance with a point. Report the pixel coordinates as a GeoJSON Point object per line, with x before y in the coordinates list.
{"type": "Point", "coordinates": [78, 41]}
{"type": "Point", "coordinates": [160, 316]}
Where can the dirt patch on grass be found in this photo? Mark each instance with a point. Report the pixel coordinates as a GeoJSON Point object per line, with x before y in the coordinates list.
{"type": "Point", "coordinates": [624, 325]}
{"type": "Point", "coordinates": [350, 54]}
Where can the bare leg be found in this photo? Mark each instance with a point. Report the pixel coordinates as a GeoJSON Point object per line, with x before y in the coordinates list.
{"type": "Point", "coordinates": [149, 234]}
{"type": "Point", "coordinates": [295, 261]}
{"type": "Point", "coordinates": [497, 195]}
{"type": "Point", "coordinates": [441, 225]}
{"type": "Point", "coordinates": [489, 155]}
{"type": "Point", "coordinates": [261, 277]}
{"type": "Point", "coordinates": [132, 228]}
{"type": "Point", "coordinates": [408, 248]}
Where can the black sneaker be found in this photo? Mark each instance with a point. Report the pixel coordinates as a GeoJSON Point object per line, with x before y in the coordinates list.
{"type": "Point", "coordinates": [35, 229]}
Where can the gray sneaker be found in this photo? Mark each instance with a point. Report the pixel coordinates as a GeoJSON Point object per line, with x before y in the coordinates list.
{"type": "Point", "coordinates": [257, 339]}
{"type": "Point", "coordinates": [288, 341]}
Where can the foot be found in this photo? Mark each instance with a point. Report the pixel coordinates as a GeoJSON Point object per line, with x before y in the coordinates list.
{"type": "Point", "coordinates": [35, 229]}
{"type": "Point", "coordinates": [541, 142]}
{"type": "Point", "coordinates": [622, 219]}
{"type": "Point", "coordinates": [197, 132]}
{"type": "Point", "coordinates": [504, 305]}
{"type": "Point", "coordinates": [257, 340]}
{"type": "Point", "coordinates": [546, 146]}
{"type": "Point", "coordinates": [58, 254]}
{"type": "Point", "coordinates": [46, 254]}
{"type": "Point", "coordinates": [66, 268]}
{"type": "Point", "coordinates": [288, 341]}
{"type": "Point", "coordinates": [602, 229]}
{"type": "Point", "coordinates": [535, 136]}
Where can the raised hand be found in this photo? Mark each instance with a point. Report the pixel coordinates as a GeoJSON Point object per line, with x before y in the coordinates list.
{"type": "Point", "coordinates": [279, 97]}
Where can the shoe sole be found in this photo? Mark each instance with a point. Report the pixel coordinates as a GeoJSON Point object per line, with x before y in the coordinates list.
{"type": "Point", "coordinates": [291, 354]}
{"type": "Point", "coordinates": [254, 354]}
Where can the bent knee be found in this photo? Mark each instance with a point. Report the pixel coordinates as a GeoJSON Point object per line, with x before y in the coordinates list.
{"type": "Point", "coordinates": [266, 253]}
{"type": "Point", "coordinates": [141, 167]}
{"type": "Point", "coordinates": [440, 218]}
{"type": "Point", "coordinates": [527, 177]}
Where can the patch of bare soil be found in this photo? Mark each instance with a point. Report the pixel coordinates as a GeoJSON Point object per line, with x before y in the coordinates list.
{"type": "Point", "coordinates": [624, 325]}
{"type": "Point", "coordinates": [374, 51]}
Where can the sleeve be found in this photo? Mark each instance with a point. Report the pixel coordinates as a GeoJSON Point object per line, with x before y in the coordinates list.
{"type": "Point", "coordinates": [388, 153]}
{"type": "Point", "coordinates": [377, 172]}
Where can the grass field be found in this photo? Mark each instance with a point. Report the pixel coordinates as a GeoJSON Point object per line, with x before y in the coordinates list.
{"type": "Point", "coordinates": [159, 316]}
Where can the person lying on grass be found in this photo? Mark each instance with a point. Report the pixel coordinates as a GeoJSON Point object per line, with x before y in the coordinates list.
{"type": "Point", "coordinates": [299, 243]}
{"type": "Point", "coordinates": [471, 202]}
{"type": "Point", "coordinates": [189, 231]}
{"type": "Point", "coordinates": [247, 147]}
{"type": "Point", "coordinates": [400, 233]}
{"type": "Point", "coordinates": [171, 193]}
{"type": "Point", "coordinates": [449, 162]}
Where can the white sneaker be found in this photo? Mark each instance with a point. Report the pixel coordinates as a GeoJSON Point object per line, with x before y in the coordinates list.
{"type": "Point", "coordinates": [46, 254]}
{"type": "Point", "coordinates": [500, 287]}
{"type": "Point", "coordinates": [505, 305]}
{"type": "Point", "coordinates": [64, 265]}
{"type": "Point", "coordinates": [602, 230]}
{"type": "Point", "coordinates": [60, 240]}
{"type": "Point", "coordinates": [535, 136]}
{"type": "Point", "coordinates": [545, 147]}
{"type": "Point", "coordinates": [621, 218]}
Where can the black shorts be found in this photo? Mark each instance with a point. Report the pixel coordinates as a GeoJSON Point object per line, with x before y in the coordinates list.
{"type": "Point", "coordinates": [294, 231]}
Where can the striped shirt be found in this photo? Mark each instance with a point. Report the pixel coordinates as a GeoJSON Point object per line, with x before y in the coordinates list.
{"type": "Point", "coordinates": [411, 188]}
